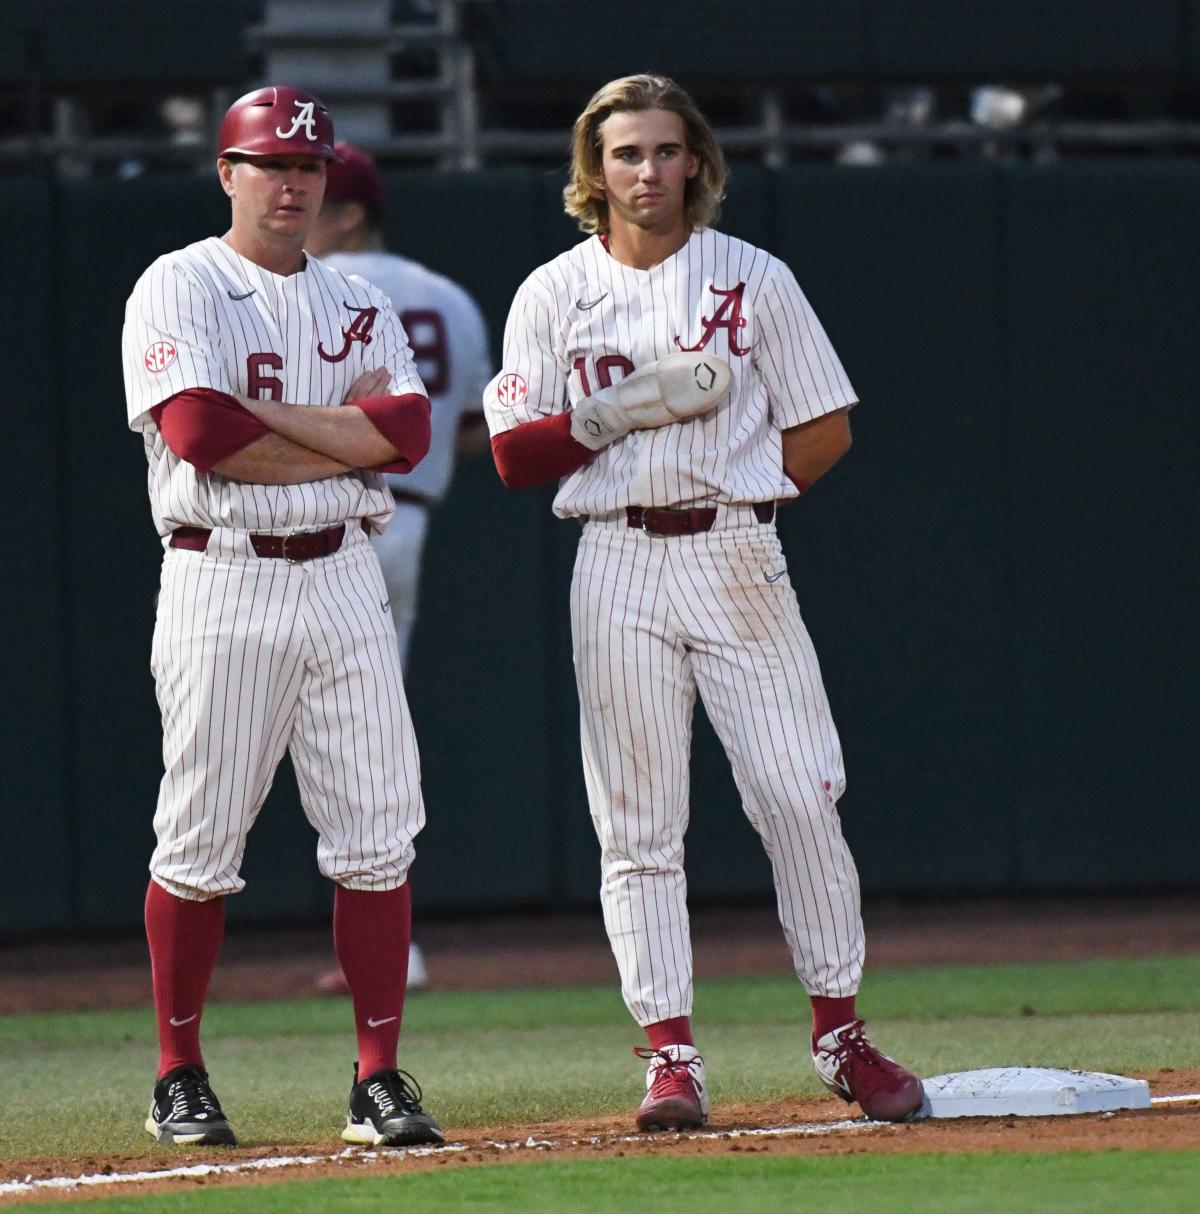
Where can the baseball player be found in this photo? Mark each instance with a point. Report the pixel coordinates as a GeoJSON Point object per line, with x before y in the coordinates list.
{"type": "Point", "coordinates": [271, 392]}
{"type": "Point", "coordinates": [449, 343]}
{"type": "Point", "coordinates": [678, 382]}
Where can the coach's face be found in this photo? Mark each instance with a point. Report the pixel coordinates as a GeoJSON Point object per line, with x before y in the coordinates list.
{"type": "Point", "coordinates": [274, 196]}
{"type": "Point", "coordinates": [645, 165]}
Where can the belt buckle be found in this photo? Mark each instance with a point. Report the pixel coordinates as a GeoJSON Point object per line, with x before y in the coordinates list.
{"type": "Point", "coordinates": [283, 548]}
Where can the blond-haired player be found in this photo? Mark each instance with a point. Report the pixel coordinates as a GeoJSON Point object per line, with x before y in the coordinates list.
{"type": "Point", "coordinates": [678, 382]}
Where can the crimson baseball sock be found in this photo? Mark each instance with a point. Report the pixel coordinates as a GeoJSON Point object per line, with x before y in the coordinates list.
{"type": "Point", "coordinates": [830, 1014]}
{"type": "Point", "coordinates": [184, 939]}
{"type": "Point", "coordinates": [677, 1031]}
{"type": "Point", "coordinates": [371, 931]}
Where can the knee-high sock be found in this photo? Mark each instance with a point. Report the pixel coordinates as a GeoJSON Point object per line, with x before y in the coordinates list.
{"type": "Point", "coordinates": [677, 1031]}
{"type": "Point", "coordinates": [371, 932]}
{"type": "Point", "coordinates": [830, 1014]}
{"type": "Point", "coordinates": [184, 939]}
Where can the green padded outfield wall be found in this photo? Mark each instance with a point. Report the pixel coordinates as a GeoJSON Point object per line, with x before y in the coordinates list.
{"type": "Point", "coordinates": [37, 851]}
{"type": "Point", "coordinates": [1103, 401]}
{"type": "Point", "coordinates": [998, 579]}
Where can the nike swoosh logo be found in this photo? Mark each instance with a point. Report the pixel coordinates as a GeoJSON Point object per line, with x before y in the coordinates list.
{"type": "Point", "coordinates": [374, 1024]}
{"type": "Point", "coordinates": [245, 296]}
{"type": "Point", "coordinates": [385, 604]}
{"type": "Point", "coordinates": [587, 307]}
{"type": "Point", "coordinates": [774, 577]}
{"type": "Point", "coordinates": [180, 1023]}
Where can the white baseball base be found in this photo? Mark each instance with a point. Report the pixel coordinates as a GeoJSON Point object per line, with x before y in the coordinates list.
{"type": "Point", "coordinates": [1030, 1091]}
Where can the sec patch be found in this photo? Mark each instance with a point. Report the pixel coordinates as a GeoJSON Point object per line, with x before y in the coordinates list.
{"type": "Point", "coordinates": [159, 356]}
{"type": "Point", "coordinates": [511, 390]}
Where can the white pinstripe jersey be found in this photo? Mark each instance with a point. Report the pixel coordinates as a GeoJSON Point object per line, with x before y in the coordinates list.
{"type": "Point", "coordinates": [449, 342]}
{"type": "Point", "coordinates": [584, 319]}
{"type": "Point", "coordinates": [206, 317]}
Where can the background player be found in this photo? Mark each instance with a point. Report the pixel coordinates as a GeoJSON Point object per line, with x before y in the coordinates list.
{"type": "Point", "coordinates": [679, 381]}
{"type": "Point", "coordinates": [272, 629]}
{"type": "Point", "coordinates": [449, 343]}
{"type": "Point", "coordinates": [448, 337]}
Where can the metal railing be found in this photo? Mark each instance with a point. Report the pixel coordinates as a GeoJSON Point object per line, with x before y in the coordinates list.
{"type": "Point", "coordinates": [441, 116]}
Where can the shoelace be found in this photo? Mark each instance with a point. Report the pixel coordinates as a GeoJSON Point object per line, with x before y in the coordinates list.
{"type": "Point", "coordinates": [853, 1041]}
{"type": "Point", "coordinates": [396, 1090]}
{"type": "Point", "coordinates": [668, 1068]}
{"type": "Point", "coordinates": [190, 1094]}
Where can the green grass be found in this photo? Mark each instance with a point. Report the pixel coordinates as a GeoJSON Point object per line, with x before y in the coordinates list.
{"type": "Point", "coordinates": [283, 1069]}
{"type": "Point", "coordinates": [1113, 1182]}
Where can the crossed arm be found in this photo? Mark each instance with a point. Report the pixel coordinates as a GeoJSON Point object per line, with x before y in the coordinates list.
{"type": "Point", "coordinates": [309, 442]}
{"type": "Point", "coordinates": [271, 443]}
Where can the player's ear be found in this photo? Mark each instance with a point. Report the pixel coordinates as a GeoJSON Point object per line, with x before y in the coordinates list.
{"type": "Point", "coordinates": [693, 164]}
{"type": "Point", "coordinates": [225, 169]}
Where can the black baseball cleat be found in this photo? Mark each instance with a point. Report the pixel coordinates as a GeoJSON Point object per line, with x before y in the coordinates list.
{"type": "Point", "coordinates": [385, 1110]}
{"type": "Point", "coordinates": [185, 1111]}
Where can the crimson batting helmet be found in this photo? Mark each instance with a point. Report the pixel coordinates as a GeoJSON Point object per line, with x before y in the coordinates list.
{"type": "Point", "coordinates": [277, 120]}
{"type": "Point", "coordinates": [355, 177]}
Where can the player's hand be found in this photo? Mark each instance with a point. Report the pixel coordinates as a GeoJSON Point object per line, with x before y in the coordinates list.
{"type": "Point", "coordinates": [369, 383]}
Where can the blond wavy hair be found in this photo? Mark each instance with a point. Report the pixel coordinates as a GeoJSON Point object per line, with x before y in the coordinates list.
{"type": "Point", "coordinates": [583, 197]}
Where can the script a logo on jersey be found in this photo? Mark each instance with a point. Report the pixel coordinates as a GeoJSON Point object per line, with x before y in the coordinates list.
{"type": "Point", "coordinates": [359, 330]}
{"type": "Point", "coordinates": [728, 316]}
{"type": "Point", "coordinates": [159, 356]}
{"type": "Point", "coordinates": [304, 117]}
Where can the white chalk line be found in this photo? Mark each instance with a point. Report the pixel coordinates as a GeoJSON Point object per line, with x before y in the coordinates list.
{"type": "Point", "coordinates": [1175, 1099]}
{"type": "Point", "coordinates": [29, 1185]}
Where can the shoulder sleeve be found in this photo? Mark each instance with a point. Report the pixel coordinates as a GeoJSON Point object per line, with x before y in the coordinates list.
{"type": "Point", "coordinates": [171, 341]}
{"type": "Point", "coordinates": [803, 375]}
{"type": "Point", "coordinates": [395, 352]}
{"type": "Point", "coordinates": [531, 382]}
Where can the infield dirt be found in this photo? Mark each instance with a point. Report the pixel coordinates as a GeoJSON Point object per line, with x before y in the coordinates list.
{"type": "Point", "coordinates": [1170, 1127]}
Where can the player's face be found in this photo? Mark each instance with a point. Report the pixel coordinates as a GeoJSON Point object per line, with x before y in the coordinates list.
{"type": "Point", "coordinates": [645, 165]}
{"type": "Point", "coordinates": [275, 195]}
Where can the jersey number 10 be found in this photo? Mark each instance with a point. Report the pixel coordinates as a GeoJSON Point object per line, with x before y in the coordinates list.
{"type": "Point", "coordinates": [604, 369]}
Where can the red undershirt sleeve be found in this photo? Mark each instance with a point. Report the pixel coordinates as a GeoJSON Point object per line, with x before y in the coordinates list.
{"type": "Point", "coordinates": [204, 426]}
{"type": "Point", "coordinates": [404, 422]}
{"type": "Point", "coordinates": [539, 451]}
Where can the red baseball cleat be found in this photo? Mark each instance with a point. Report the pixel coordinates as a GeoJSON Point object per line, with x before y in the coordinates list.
{"type": "Point", "coordinates": [852, 1068]}
{"type": "Point", "coordinates": [676, 1097]}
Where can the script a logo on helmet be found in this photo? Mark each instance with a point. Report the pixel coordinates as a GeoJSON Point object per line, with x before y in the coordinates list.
{"type": "Point", "coordinates": [304, 117]}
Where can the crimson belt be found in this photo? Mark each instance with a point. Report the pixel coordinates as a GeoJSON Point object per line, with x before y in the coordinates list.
{"type": "Point", "coordinates": [669, 520]}
{"type": "Point", "coordinates": [300, 546]}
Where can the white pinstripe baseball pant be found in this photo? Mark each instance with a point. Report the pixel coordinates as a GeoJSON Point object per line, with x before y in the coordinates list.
{"type": "Point", "coordinates": [252, 656]}
{"type": "Point", "coordinates": [654, 618]}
